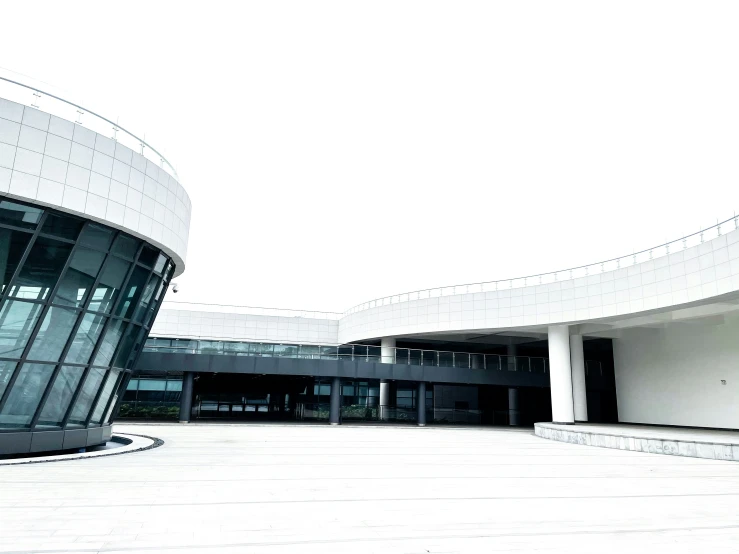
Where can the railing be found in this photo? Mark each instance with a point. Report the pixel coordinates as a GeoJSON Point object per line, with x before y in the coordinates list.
{"type": "Point", "coordinates": [363, 353]}
{"type": "Point", "coordinates": [565, 274]}
{"type": "Point", "coordinates": [248, 310]}
{"type": "Point", "coordinates": [36, 95]}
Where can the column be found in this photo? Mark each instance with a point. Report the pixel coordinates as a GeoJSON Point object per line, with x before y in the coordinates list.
{"type": "Point", "coordinates": [513, 412]}
{"type": "Point", "coordinates": [334, 414]}
{"type": "Point", "coordinates": [384, 399]}
{"type": "Point", "coordinates": [421, 401]}
{"type": "Point", "coordinates": [560, 374]}
{"type": "Point", "coordinates": [511, 357]}
{"type": "Point", "coordinates": [579, 395]}
{"type": "Point", "coordinates": [186, 396]}
{"type": "Point", "coordinates": [387, 350]}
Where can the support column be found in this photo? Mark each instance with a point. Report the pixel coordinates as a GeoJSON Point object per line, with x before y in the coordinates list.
{"type": "Point", "coordinates": [560, 374]}
{"type": "Point", "coordinates": [334, 414]}
{"type": "Point", "coordinates": [511, 357]}
{"type": "Point", "coordinates": [513, 412]}
{"type": "Point", "coordinates": [387, 350]}
{"type": "Point", "coordinates": [186, 396]}
{"type": "Point", "coordinates": [384, 399]}
{"type": "Point", "coordinates": [579, 395]}
{"type": "Point", "coordinates": [421, 401]}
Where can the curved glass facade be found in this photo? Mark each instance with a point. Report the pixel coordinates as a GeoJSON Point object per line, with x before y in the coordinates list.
{"type": "Point", "coordinates": [77, 299]}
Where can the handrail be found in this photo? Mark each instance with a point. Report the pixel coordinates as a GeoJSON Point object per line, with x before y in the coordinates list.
{"type": "Point", "coordinates": [116, 126]}
{"type": "Point", "coordinates": [361, 352]}
{"type": "Point", "coordinates": [552, 276]}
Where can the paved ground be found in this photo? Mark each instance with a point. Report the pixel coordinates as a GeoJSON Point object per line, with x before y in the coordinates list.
{"type": "Point", "coordinates": [285, 489]}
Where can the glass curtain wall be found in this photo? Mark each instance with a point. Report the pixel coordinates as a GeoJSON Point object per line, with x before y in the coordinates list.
{"type": "Point", "coordinates": [77, 300]}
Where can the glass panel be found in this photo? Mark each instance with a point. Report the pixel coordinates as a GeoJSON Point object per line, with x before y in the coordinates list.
{"type": "Point", "coordinates": [85, 339]}
{"type": "Point", "coordinates": [64, 226]}
{"type": "Point", "coordinates": [17, 320]}
{"type": "Point", "coordinates": [159, 265]}
{"type": "Point", "coordinates": [127, 345]}
{"type": "Point", "coordinates": [6, 372]}
{"type": "Point", "coordinates": [110, 341]}
{"type": "Point", "coordinates": [125, 246]}
{"type": "Point", "coordinates": [25, 395]}
{"type": "Point", "coordinates": [53, 334]}
{"type": "Point", "coordinates": [146, 297]}
{"type": "Point", "coordinates": [86, 397]}
{"type": "Point", "coordinates": [12, 246]}
{"type": "Point", "coordinates": [133, 384]}
{"type": "Point", "coordinates": [132, 293]}
{"type": "Point", "coordinates": [19, 215]}
{"type": "Point", "coordinates": [96, 236]}
{"type": "Point", "coordinates": [109, 285]}
{"type": "Point", "coordinates": [62, 390]}
{"type": "Point", "coordinates": [148, 256]}
{"type": "Point", "coordinates": [79, 277]}
{"type": "Point", "coordinates": [41, 270]}
{"type": "Point", "coordinates": [108, 388]}
{"type": "Point", "coordinates": [152, 384]}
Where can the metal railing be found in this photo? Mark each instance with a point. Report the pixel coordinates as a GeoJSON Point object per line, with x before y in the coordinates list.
{"type": "Point", "coordinates": [682, 243]}
{"type": "Point", "coordinates": [36, 95]}
{"type": "Point", "coordinates": [248, 310]}
{"type": "Point", "coordinates": [362, 353]}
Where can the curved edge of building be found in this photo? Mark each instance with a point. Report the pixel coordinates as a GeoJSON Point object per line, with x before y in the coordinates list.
{"type": "Point", "coordinates": [91, 234]}
{"type": "Point", "coordinates": [53, 162]}
{"type": "Point", "coordinates": [694, 276]}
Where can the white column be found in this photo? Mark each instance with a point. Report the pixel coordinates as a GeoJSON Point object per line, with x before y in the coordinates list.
{"type": "Point", "coordinates": [560, 374]}
{"type": "Point", "coordinates": [579, 396]}
{"type": "Point", "coordinates": [387, 350]}
{"type": "Point", "coordinates": [384, 399]}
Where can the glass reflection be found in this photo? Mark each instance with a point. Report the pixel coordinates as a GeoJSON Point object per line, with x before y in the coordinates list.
{"type": "Point", "coordinates": [41, 269]}
{"type": "Point", "coordinates": [61, 394]}
{"type": "Point", "coordinates": [25, 395]}
{"type": "Point", "coordinates": [53, 334]}
{"type": "Point", "coordinates": [17, 320]}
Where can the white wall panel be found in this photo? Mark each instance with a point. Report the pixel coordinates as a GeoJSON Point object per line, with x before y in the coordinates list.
{"type": "Point", "coordinates": [672, 375]}
{"type": "Point", "coordinates": [57, 163]}
{"type": "Point", "coordinates": [174, 323]}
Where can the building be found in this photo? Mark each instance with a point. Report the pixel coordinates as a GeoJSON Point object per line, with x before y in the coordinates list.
{"type": "Point", "coordinates": [94, 226]}
{"type": "Point", "coordinates": [646, 338]}
{"type": "Point", "coordinates": [91, 233]}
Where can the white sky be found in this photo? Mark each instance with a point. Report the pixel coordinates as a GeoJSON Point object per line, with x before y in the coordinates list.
{"type": "Point", "coordinates": [340, 151]}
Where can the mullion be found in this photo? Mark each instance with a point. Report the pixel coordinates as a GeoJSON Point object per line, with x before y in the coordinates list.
{"type": "Point", "coordinates": [124, 286]}
{"type": "Point", "coordinates": [100, 342]}
{"type": "Point", "coordinates": [75, 327]}
{"type": "Point", "coordinates": [116, 386]}
{"type": "Point", "coordinates": [23, 259]}
{"type": "Point", "coordinates": [42, 315]}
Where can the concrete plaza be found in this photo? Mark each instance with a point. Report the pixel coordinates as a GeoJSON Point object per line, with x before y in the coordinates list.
{"type": "Point", "coordinates": [356, 489]}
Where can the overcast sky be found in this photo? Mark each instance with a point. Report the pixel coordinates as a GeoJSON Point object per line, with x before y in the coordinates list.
{"type": "Point", "coordinates": [335, 152]}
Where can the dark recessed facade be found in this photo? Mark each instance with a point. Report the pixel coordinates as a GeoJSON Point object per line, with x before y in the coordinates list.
{"type": "Point", "coordinates": [77, 301]}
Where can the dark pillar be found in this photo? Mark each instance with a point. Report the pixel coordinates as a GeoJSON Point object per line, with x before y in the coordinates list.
{"type": "Point", "coordinates": [334, 413]}
{"type": "Point", "coordinates": [186, 397]}
{"type": "Point", "coordinates": [421, 400]}
{"type": "Point", "coordinates": [513, 418]}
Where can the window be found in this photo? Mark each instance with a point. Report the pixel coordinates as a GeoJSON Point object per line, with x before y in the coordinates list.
{"type": "Point", "coordinates": [53, 335]}
{"type": "Point", "coordinates": [41, 269]}
{"type": "Point", "coordinates": [12, 246]}
{"type": "Point", "coordinates": [25, 395]}
{"type": "Point", "coordinates": [61, 394]}
{"type": "Point", "coordinates": [17, 320]}
{"type": "Point", "coordinates": [79, 277]}
{"type": "Point", "coordinates": [86, 398]}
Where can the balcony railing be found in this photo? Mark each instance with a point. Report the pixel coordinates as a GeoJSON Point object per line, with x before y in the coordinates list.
{"type": "Point", "coordinates": [24, 90]}
{"type": "Point", "coordinates": [363, 353]}
{"type": "Point", "coordinates": [677, 245]}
